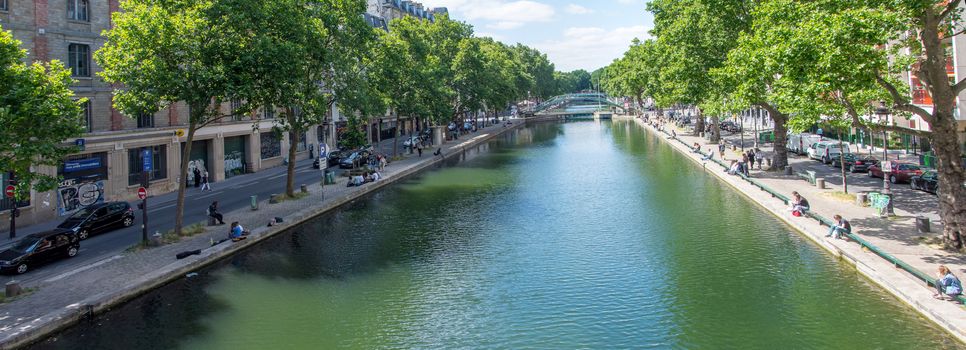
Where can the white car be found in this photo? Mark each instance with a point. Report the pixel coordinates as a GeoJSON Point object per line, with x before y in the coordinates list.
{"type": "Point", "coordinates": [411, 141]}
{"type": "Point", "coordinates": [826, 151]}
{"type": "Point", "coordinates": [799, 143]}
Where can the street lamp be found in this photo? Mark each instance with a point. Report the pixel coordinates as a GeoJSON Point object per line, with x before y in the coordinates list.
{"type": "Point", "coordinates": [883, 112]}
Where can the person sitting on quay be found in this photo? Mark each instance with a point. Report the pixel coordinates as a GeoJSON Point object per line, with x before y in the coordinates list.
{"type": "Point", "coordinates": [799, 204]}
{"type": "Point", "coordinates": [237, 232]}
{"type": "Point", "coordinates": [840, 228]}
{"type": "Point", "coordinates": [710, 155]}
{"type": "Point", "coordinates": [697, 148]}
{"type": "Point", "coordinates": [213, 213]}
{"type": "Point", "coordinates": [735, 168]}
{"type": "Point", "coordinates": [948, 287]}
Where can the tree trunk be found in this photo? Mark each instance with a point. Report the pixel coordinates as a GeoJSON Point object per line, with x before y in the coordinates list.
{"type": "Point", "coordinates": [952, 188]}
{"type": "Point", "coordinates": [780, 160]}
{"type": "Point", "coordinates": [395, 140]}
{"type": "Point", "coordinates": [845, 180]}
{"type": "Point", "coordinates": [698, 122]}
{"type": "Point", "coordinates": [715, 130]}
{"type": "Point", "coordinates": [293, 141]}
{"type": "Point", "coordinates": [183, 176]}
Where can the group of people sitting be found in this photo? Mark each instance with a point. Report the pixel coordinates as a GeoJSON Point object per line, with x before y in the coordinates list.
{"type": "Point", "coordinates": [359, 180]}
{"type": "Point", "coordinates": [738, 168]}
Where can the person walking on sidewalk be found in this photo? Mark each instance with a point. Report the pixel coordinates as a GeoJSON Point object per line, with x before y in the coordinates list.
{"type": "Point", "coordinates": [760, 157]}
{"type": "Point", "coordinates": [841, 227]}
{"type": "Point", "coordinates": [205, 186]}
{"type": "Point", "coordinates": [751, 158]}
{"type": "Point", "coordinates": [197, 177]}
{"type": "Point", "coordinates": [214, 214]}
{"type": "Point", "coordinates": [721, 149]}
{"type": "Point", "coordinates": [948, 287]}
{"type": "Point", "coordinates": [419, 149]}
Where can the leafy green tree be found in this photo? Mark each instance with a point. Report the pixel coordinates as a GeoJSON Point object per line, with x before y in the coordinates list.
{"type": "Point", "coordinates": [539, 68]}
{"type": "Point", "coordinates": [163, 52]}
{"type": "Point", "coordinates": [38, 112]}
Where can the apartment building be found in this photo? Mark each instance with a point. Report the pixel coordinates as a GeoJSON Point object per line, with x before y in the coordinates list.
{"type": "Point", "coordinates": [115, 146]}
{"type": "Point", "coordinates": [396, 9]}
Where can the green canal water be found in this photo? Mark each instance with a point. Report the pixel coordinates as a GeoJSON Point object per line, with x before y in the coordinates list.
{"type": "Point", "coordinates": [557, 236]}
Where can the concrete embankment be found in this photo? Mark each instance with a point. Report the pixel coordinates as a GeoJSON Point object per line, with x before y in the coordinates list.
{"type": "Point", "coordinates": [73, 298]}
{"type": "Point", "coordinates": [904, 286]}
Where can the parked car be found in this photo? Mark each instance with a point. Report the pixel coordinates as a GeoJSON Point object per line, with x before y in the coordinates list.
{"type": "Point", "coordinates": [825, 151]}
{"type": "Point", "coordinates": [38, 248]}
{"type": "Point", "coordinates": [928, 181]}
{"type": "Point", "coordinates": [856, 163]}
{"type": "Point", "coordinates": [730, 126]}
{"type": "Point", "coordinates": [332, 159]}
{"type": "Point", "coordinates": [354, 159]}
{"type": "Point", "coordinates": [901, 172]}
{"type": "Point", "coordinates": [99, 218]}
{"type": "Point", "coordinates": [799, 143]}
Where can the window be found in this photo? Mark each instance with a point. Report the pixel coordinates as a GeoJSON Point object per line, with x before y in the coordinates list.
{"type": "Point", "coordinates": [79, 60]}
{"type": "Point", "coordinates": [87, 115]}
{"type": "Point", "coordinates": [271, 145]}
{"type": "Point", "coordinates": [145, 120]}
{"type": "Point", "coordinates": [159, 164]}
{"type": "Point", "coordinates": [235, 106]}
{"type": "Point", "coordinates": [268, 112]}
{"type": "Point", "coordinates": [3, 5]}
{"type": "Point", "coordinates": [77, 10]}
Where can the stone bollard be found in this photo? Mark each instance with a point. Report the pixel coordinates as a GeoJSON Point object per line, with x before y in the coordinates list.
{"type": "Point", "coordinates": [820, 183]}
{"type": "Point", "coordinates": [254, 202]}
{"type": "Point", "coordinates": [304, 188]}
{"type": "Point", "coordinates": [13, 289]}
{"type": "Point", "coordinates": [861, 198]}
{"type": "Point", "coordinates": [273, 199]}
{"type": "Point", "coordinates": [788, 170]}
{"type": "Point", "coordinates": [922, 224]}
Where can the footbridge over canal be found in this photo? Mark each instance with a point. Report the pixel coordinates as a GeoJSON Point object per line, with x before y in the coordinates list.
{"type": "Point", "coordinates": [574, 105]}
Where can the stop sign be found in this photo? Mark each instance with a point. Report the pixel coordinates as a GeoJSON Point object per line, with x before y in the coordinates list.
{"type": "Point", "coordinates": [9, 191]}
{"type": "Point", "coordinates": [142, 193]}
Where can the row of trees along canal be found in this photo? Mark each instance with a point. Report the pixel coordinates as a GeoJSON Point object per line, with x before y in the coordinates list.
{"type": "Point", "coordinates": [827, 62]}
{"type": "Point", "coordinates": [302, 55]}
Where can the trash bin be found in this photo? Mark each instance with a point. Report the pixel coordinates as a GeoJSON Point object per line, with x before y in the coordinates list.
{"type": "Point", "coordinates": [329, 177]}
{"type": "Point", "coordinates": [922, 224]}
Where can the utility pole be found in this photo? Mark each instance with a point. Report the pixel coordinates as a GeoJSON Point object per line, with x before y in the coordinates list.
{"type": "Point", "coordinates": [11, 192]}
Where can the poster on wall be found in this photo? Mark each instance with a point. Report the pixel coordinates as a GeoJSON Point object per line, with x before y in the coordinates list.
{"type": "Point", "coordinates": [74, 194]}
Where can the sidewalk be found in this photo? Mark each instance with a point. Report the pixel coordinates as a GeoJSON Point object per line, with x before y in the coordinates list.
{"type": "Point", "coordinates": [897, 236]}
{"type": "Point", "coordinates": [62, 300]}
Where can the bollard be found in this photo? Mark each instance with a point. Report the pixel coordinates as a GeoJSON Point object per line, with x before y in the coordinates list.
{"type": "Point", "coordinates": [860, 199]}
{"type": "Point", "coordinates": [13, 289]}
{"type": "Point", "coordinates": [788, 170]}
{"type": "Point", "coordinates": [254, 202]}
{"type": "Point", "coordinates": [304, 188]}
{"type": "Point", "coordinates": [922, 224]}
{"type": "Point", "coordinates": [820, 183]}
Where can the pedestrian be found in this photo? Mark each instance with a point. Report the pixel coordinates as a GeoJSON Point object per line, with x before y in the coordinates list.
{"type": "Point", "coordinates": [721, 149]}
{"type": "Point", "coordinates": [197, 177]}
{"type": "Point", "coordinates": [841, 227]}
{"type": "Point", "coordinates": [751, 158]}
{"type": "Point", "coordinates": [382, 162]}
{"type": "Point", "coordinates": [947, 286]}
{"type": "Point", "coordinates": [419, 149]}
{"type": "Point", "coordinates": [760, 157]}
{"type": "Point", "coordinates": [204, 181]}
{"type": "Point", "coordinates": [214, 214]}
{"type": "Point", "coordinates": [744, 163]}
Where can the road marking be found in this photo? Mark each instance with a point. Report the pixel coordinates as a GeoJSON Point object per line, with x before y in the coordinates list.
{"type": "Point", "coordinates": [278, 176]}
{"type": "Point", "coordinates": [208, 195]}
{"type": "Point", "coordinates": [82, 269]}
{"type": "Point", "coordinates": [162, 207]}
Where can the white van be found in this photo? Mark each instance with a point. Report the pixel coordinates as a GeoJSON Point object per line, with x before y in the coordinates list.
{"type": "Point", "coordinates": [799, 143]}
{"type": "Point", "coordinates": [827, 151]}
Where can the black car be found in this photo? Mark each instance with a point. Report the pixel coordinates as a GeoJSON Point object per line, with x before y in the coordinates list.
{"type": "Point", "coordinates": [856, 163]}
{"type": "Point", "coordinates": [39, 248]}
{"type": "Point", "coordinates": [99, 218]}
{"type": "Point", "coordinates": [354, 160]}
{"type": "Point", "coordinates": [729, 126]}
{"type": "Point", "coordinates": [333, 159]}
{"type": "Point", "coordinates": [928, 181]}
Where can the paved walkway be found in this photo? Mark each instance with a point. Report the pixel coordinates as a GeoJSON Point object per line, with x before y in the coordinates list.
{"type": "Point", "coordinates": [61, 300]}
{"type": "Point", "coordinates": [896, 236]}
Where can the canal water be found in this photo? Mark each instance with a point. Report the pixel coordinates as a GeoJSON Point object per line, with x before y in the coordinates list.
{"type": "Point", "coordinates": [558, 236]}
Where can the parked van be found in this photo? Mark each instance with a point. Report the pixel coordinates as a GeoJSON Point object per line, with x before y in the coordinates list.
{"type": "Point", "coordinates": [799, 143]}
{"type": "Point", "coordinates": [826, 151]}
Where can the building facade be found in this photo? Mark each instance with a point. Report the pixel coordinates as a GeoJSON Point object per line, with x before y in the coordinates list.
{"type": "Point", "coordinates": [115, 147]}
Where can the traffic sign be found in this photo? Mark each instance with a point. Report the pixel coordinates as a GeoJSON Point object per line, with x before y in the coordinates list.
{"type": "Point", "coordinates": [9, 191]}
{"type": "Point", "coordinates": [142, 192]}
{"type": "Point", "coordinates": [146, 160]}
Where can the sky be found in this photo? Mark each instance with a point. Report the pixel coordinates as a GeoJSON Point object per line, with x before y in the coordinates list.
{"type": "Point", "coordinates": [574, 34]}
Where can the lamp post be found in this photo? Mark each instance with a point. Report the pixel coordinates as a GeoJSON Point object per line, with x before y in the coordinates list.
{"type": "Point", "coordinates": [883, 112]}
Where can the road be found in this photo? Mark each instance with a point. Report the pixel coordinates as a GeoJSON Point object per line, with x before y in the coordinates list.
{"type": "Point", "coordinates": [231, 194]}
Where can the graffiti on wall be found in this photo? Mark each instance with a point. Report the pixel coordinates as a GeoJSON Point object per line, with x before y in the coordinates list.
{"type": "Point", "coordinates": [76, 194]}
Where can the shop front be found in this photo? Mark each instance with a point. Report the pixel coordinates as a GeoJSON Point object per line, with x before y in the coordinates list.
{"type": "Point", "coordinates": [236, 152]}
{"type": "Point", "coordinates": [83, 185]}
{"type": "Point", "coordinates": [198, 159]}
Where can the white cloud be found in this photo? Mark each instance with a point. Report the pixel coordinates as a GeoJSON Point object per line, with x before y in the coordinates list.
{"type": "Point", "coordinates": [505, 14]}
{"type": "Point", "coordinates": [590, 47]}
{"type": "Point", "coordinates": [577, 9]}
